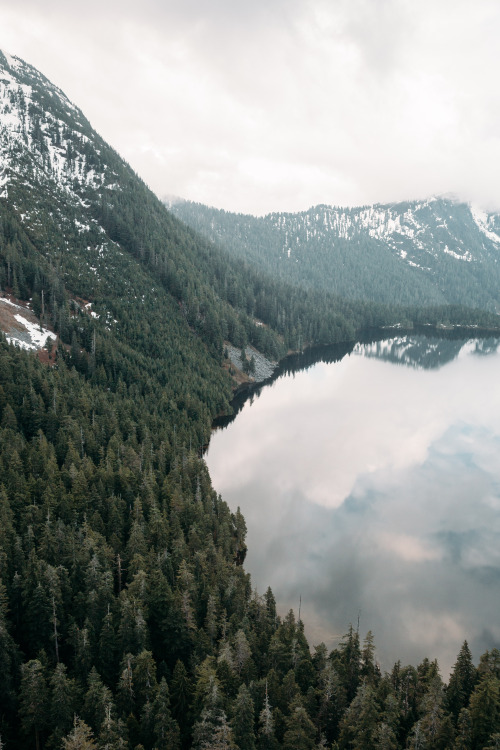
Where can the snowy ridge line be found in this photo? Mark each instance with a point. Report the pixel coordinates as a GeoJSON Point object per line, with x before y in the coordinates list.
{"type": "Point", "coordinates": [482, 220]}
{"type": "Point", "coordinates": [12, 61]}
{"type": "Point", "coordinates": [16, 63]}
{"type": "Point", "coordinates": [434, 227]}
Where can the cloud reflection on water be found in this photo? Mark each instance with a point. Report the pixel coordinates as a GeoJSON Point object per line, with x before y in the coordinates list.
{"type": "Point", "coordinates": [374, 489]}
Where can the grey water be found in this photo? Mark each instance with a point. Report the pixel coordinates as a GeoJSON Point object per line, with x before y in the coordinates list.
{"type": "Point", "coordinates": [371, 491]}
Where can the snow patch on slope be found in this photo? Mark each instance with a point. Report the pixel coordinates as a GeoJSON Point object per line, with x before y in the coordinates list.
{"type": "Point", "coordinates": [37, 335]}
{"type": "Point", "coordinates": [481, 219]}
{"type": "Point", "coordinates": [21, 326]}
{"type": "Point", "coordinates": [466, 256]}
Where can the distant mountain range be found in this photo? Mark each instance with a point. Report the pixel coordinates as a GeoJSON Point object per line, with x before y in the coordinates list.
{"type": "Point", "coordinates": [428, 252]}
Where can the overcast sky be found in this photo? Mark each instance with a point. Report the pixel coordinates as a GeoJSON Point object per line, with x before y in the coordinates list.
{"type": "Point", "coordinates": [281, 104]}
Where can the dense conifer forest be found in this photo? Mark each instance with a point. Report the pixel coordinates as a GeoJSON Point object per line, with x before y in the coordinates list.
{"type": "Point", "coordinates": [124, 600]}
{"type": "Point", "coordinates": [127, 619]}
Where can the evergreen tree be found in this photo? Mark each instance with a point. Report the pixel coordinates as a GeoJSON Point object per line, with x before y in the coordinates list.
{"type": "Point", "coordinates": [300, 732]}
{"type": "Point", "coordinates": [97, 700]}
{"type": "Point", "coordinates": [347, 661]}
{"type": "Point", "coordinates": [8, 654]}
{"type": "Point", "coordinates": [166, 729]}
{"type": "Point", "coordinates": [384, 738]}
{"type": "Point", "coordinates": [266, 737]}
{"type": "Point", "coordinates": [358, 726]}
{"type": "Point", "coordinates": [369, 670]}
{"type": "Point", "coordinates": [113, 733]}
{"type": "Point", "coordinates": [435, 726]}
{"type": "Point", "coordinates": [463, 740]}
{"type": "Point", "coordinates": [461, 682]}
{"type": "Point", "coordinates": [63, 703]}
{"type": "Point", "coordinates": [181, 694]}
{"type": "Point", "coordinates": [144, 679]}
{"type": "Point", "coordinates": [34, 701]}
{"type": "Point", "coordinates": [485, 710]}
{"type": "Point", "coordinates": [243, 720]}
{"type": "Point", "coordinates": [80, 738]}
{"type": "Point", "coordinates": [107, 650]}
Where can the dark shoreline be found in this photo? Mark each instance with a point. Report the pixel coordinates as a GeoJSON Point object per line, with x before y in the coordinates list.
{"type": "Point", "coordinates": [328, 353]}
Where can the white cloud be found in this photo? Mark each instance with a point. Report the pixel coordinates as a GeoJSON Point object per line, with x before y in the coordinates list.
{"type": "Point", "coordinates": [280, 105]}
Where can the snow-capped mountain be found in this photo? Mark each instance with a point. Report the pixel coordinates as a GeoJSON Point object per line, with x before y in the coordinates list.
{"type": "Point", "coordinates": [56, 172]}
{"type": "Point", "coordinates": [432, 252]}
{"type": "Point", "coordinates": [43, 135]}
{"type": "Point", "coordinates": [412, 230]}
{"type": "Point", "coordinates": [84, 216]}
{"type": "Point", "coordinates": [434, 226]}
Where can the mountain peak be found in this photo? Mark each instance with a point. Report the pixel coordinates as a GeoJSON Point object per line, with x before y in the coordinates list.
{"type": "Point", "coordinates": [45, 140]}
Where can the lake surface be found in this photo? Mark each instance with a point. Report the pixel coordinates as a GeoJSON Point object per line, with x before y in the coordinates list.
{"type": "Point", "coordinates": [371, 489]}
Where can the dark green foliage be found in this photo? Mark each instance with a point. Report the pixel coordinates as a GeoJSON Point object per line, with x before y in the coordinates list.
{"type": "Point", "coordinates": [64, 703]}
{"type": "Point", "coordinates": [300, 732]}
{"type": "Point", "coordinates": [34, 701]}
{"type": "Point", "coordinates": [166, 729]}
{"type": "Point", "coordinates": [347, 661]}
{"type": "Point", "coordinates": [461, 683]}
{"type": "Point", "coordinates": [358, 726]}
{"type": "Point", "coordinates": [485, 709]}
{"type": "Point", "coordinates": [243, 720]}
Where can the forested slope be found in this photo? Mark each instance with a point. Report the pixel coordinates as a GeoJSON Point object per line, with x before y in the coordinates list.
{"type": "Point", "coordinates": [423, 253]}
{"type": "Point", "coordinates": [125, 603]}
{"type": "Point", "coordinates": [127, 619]}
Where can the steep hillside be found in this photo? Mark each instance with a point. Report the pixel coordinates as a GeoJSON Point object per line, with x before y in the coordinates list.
{"type": "Point", "coordinates": [417, 253]}
{"type": "Point", "coordinates": [94, 227]}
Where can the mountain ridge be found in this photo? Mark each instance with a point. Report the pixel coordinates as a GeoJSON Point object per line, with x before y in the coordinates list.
{"type": "Point", "coordinates": [416, 244]}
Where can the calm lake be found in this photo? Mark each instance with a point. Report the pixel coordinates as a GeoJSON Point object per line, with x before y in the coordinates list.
{"type": "Point", "coordinates": [371, 488]}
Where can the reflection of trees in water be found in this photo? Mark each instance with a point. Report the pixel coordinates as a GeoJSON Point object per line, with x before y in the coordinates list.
{"type": "Point", "coordinates": [487, 346]}
{"type": "Point", "coordinates": [424, 353]}
{"type": "Point", "coordinates": [418, 351]}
